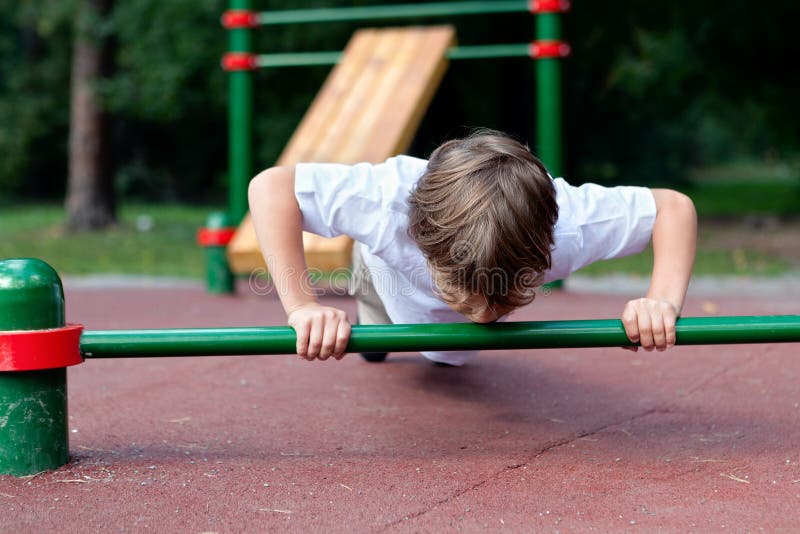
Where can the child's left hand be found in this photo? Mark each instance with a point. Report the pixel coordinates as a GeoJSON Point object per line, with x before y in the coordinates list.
{"type": "Point", "coordinates": [651, 323]}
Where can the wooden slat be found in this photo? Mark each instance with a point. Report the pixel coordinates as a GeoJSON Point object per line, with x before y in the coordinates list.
{"type": "Point", "coordinates": [358, 100]}
{"type": "Point", "coordinates": [358, 140]}
{"type": "Point", "coordinates": [325, 108]}
{"type": "Point", "coordinates": [395, 128]}
{"type": "Point", "coordinates": [367, 110]}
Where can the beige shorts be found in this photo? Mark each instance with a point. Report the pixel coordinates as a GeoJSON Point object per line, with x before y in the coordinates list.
{"type": "Point", "coordinates": [370, 306]}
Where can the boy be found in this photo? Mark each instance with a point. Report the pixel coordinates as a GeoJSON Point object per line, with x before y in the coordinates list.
{"type": "Point", "coordinates": [471, 233]}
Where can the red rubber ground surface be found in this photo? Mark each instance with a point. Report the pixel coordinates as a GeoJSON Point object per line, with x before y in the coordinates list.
{"type": "Point", "coordinates": [698, 439]}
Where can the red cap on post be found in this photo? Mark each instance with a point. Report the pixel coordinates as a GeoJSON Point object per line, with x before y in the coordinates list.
{"type": "Point", "coordinates": [233, 61]}
{"type": "Point", "coordinates": [548, 6]}
{"type": "Point", "coordinates": [549, 49]}
{"type": "Point", "coordinates": [236, 19]}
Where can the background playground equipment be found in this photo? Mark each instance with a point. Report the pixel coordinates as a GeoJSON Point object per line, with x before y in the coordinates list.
{"type": "Point", "coordinates": [240, 20]}
{"type": "Point", "coordinates": [36, 347]}
{"type": "Point", "coordinates": [367, 110]}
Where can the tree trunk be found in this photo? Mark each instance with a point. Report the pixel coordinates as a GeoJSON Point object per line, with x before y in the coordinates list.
{"type": "Point", "coordinates": [90, 202]}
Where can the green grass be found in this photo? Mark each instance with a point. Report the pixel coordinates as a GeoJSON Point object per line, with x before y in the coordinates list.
{"type": "Point", "coordinates": [749, 171]}
{"type": "Point", "coordinates": [168, 249]}
{"type": "Point", "coordinates": [743, 199]}
{"type": "Point", "coordinates": [709, 262]}
{"type": "Point", "coordinates": [745, 188]}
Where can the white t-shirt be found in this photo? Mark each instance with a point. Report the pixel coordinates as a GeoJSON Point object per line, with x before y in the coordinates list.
{"type": "Point", "coordinates": [369, 203]}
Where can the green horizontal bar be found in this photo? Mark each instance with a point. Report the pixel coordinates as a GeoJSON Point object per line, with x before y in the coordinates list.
{"type": "Point", "coordinates": [305, 59]}
{"type": "Point", "coordinates": [489, 51]}
{"type": "Point", "coordinates": [428, 337]}
{"type": "Point", "coordinates": [437, 9]}
{"type": "Point", "coordinates": [298, 59]}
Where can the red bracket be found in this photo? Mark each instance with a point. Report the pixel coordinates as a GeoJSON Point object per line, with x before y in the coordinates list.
{"type": "Point", "coordinates": [549, 49]}
{"type": "Point", "coordinates": [235, 61]}
{"type": "Point", "coordinates": [237, 19]}
{"type": "Point", "coordinates": [34, 350]}
{"type": "Point", "coordinates": [548, 6]}
{"type": "Point", "coordinates": [215, 237]}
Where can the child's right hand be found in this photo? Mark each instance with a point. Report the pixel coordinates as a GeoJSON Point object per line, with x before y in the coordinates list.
{"type": "Point", "coordinates": [321, 331]}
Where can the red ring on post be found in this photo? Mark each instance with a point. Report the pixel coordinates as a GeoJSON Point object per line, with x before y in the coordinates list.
{"type": "Point", "coordinates": [549, 49]}
{"type": "Point", "coordinates": [215, 237]}
{"type": "Point", "coordinates": [548, 6]}
{"type": "Point", "coordinates": [34, 350]}
{"type": "Point", "coordinates": [235, 61]}
{"type": "Point", "coordinates": [237, 19]}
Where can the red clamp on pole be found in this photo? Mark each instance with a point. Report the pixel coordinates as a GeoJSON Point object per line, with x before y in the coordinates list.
{"type": "Point", "coordinates": [549, 49]}
{"type": "Point", "coordinates": [34, 350]}
{"type": "Point", "coordinates": [213, 237]}
{"type": "Point", "coordinates": [237, 61]}
{"type": "Point", "coordinates": [548, 6]}
{"type": "Point", "coordinates": [237, 19]}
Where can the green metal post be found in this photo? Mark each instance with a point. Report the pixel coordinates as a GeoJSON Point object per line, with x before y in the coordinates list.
{"type": "Point", "coordinates": [548, 103]}
{"type": "Point", "coordinates": [240, 105]}
{"type": "Point", "coordinates": [33, 404]}
{"type": "Point", "coordinates": [240, 142]}
{"type": "Point", "coordinates": [548, 97]}
{"type": "Point", "coordinates": [219, 278]}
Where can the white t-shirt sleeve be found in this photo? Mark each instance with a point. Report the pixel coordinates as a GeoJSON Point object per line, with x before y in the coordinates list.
{"type": "Point", "coordinates": [364, 201]}
{"type": "Point", "coordinates": [609, 222]}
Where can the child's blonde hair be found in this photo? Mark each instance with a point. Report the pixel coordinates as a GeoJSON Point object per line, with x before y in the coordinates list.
{"type": "Point", "coordinates": [483, 215]}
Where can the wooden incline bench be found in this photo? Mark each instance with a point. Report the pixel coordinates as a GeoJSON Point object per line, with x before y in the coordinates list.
{"type": "Point", "coordinates": [368, 110]}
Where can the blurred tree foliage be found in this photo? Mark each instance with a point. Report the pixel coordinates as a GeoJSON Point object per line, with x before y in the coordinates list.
{"type": "Point", "coordinates": [655, 87]}
{"type": "Point", "coordinates": [651, 90]}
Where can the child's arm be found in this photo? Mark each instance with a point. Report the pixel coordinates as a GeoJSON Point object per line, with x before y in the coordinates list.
{"type": "Point", "coordinates": [651, 320]}
{"type": "Point", "coordinates": [322, 331]}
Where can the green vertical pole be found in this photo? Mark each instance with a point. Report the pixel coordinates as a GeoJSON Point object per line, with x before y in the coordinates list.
{"type": "Point", "coordinates": [219, 278]}
{"type": "Point", "coordinates": [548, 97]}
{"type": "Point", "coordinates": [33, 404]}
{"type": "Point", "coordinates": [548, 103]}
{"type": "Point", "coordinates": [240, 105]}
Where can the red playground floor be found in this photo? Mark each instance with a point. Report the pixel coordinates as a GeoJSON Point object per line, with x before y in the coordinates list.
{"type": "Point", "coordinates": [697, 439]}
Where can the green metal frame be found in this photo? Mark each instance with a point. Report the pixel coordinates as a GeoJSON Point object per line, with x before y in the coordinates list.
{"type": "Point", "coordinates": [548, 73]}
{"type": "Point", "coordinates": [549, 130]}
{"type": "Point", "coordinates": [422, 337]}
{"type": "Point", "coordinates": [305, 59]}
{"type": "Point", "coordinates": [359, 13]}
